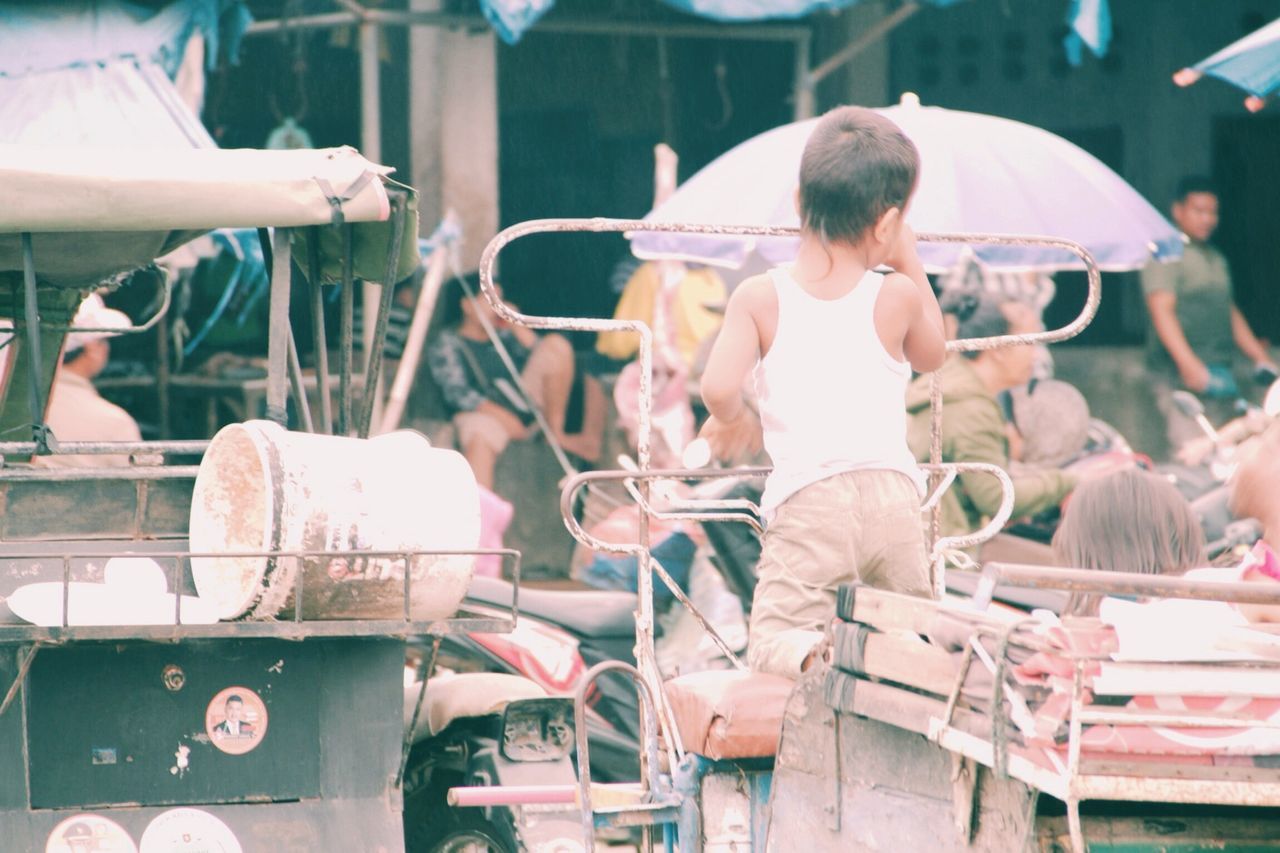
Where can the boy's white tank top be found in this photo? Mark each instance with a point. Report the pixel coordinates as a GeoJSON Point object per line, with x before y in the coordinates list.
{"type": "Point", "coordinates": [831, 397]}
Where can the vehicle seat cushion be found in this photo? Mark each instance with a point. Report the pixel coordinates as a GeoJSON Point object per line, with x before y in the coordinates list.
{"type": "Point", "coordinates": [453, 696]}
{"type": "Point", "coordinates": [729, 714]}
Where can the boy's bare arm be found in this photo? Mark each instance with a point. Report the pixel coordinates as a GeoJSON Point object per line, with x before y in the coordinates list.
{"type": "Point", "coordinates": [731, 430]}
{"type": "Point", "coordinates": [734, 353]}
{"type": "Point", "coordinates": [924, 343]}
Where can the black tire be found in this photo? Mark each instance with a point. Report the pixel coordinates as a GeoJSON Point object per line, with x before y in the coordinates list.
{"type": "Point", "coordinates": [431, 825]}
{"type": "Point", "coordinates": [467, 831]}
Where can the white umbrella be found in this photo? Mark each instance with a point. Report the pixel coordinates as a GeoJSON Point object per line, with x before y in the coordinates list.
{"type": "Point", "coordinates": [978, 174]}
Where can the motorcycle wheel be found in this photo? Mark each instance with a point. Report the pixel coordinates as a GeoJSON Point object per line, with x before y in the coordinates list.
{"type": "Point", "coordinates": [465, 833]}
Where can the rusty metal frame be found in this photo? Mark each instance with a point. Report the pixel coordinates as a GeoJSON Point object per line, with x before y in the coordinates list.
{"type": "Point", "coordinates": [653, 792]}
{"type": "Point", "coordinates": [293, 629]}
{"type": "Point", "coordinates": [647, 668]}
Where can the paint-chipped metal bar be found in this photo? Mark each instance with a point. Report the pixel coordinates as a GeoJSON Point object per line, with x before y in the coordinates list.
{"type": "Point", "coordinates": [374, 357]}
{"type": "Point", "coordinates": [319, 341]}
{"type": "Point", "coordinates": [80, 475]}
{"type": "Point", "coordinates": [407, 746]}
{"type": "Point", "coordinates": [468, 619]}
{"type": "Point", "coordinates": [24, 666]}
{"type": "Point", "coordinates": [31, 330]}
{"type": "Point", "coordinates": [298, 385]}
{"type": "Point", "coordinates": [1124, 583]}
{"type": "Point", "coordinates": [549, 25]}
{"type": "Point", "coordinates": [950, 471]}
{"type": "Point", "coordinates": [87, 448]}
{"type": "Point", "coordinates": [647, 700]}
{"type": "Point", "coordinates": [346, 334]}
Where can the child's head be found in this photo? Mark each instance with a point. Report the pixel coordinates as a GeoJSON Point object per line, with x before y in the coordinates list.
{"type": "Point", "coordinates": [987, 314]}
{"type": "Point", "coordinates": [1130, 521]}
{"type": "Point", "coordinates": [857, 175]}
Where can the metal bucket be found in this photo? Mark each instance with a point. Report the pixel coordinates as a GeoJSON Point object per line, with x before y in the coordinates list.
{"type": "Point", "coordinates": [262, 488]}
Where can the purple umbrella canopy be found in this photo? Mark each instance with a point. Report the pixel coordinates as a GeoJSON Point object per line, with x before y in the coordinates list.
{"type": "Point", "coordinates": [978, 174]}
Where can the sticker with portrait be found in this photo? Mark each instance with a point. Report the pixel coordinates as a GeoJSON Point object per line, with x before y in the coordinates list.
{"type": "Point", "coordinates": [189, 831]}
{"type": "Point", "coordinates": [236, 720]}
{"type": "Point", "coordinates": [89, 833]}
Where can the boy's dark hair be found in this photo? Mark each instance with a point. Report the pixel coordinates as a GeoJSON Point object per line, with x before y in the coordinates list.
{"type": "Point", "coordinates": [856, 166]}
{"type": "Point", "coordinates": [1192, 184]}
{"type": "Point", "coordinates": [978, 314]}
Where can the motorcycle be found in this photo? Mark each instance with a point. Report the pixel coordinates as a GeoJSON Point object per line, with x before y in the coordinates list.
{"type": "Point", "coordinates": [483, 729]}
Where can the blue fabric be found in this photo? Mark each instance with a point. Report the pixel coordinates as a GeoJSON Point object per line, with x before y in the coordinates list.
{"type": "Point", "coordinates": [1090, 23]}
{"type": "Point", "coordinates": [759, 10]}
{"type": "Point", "coordinates": [42, 36]}
{"type": "Point", "coordinates": [1252, 63]}
{"type": "Point", "coordinates": [675, 554]}
{"type": "Point", "coordinates": [510, 18]}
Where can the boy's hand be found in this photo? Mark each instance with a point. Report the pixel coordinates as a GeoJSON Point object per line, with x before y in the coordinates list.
{"type": "Point", "coordinates": [903, 256]}
{"type": "Point", "coordinates": [735, 440]}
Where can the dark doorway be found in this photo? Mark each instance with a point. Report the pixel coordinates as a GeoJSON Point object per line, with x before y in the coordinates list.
{"type": "Point", "coordinates": [1246, 168]}
{"type": "Point", "coordinates": [578, 119]}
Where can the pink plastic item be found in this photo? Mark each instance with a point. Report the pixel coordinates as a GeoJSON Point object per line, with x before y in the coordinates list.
{"type": "Point", "coordinates": [495, 517]}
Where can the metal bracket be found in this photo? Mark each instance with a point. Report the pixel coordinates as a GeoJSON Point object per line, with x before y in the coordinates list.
{"type": "Point", "coordinates": [24, 666]}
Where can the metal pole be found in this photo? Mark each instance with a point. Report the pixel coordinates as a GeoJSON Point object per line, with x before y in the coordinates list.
{"type": "Point", "coordinates": [370, 94]}
{"type": "Point", "coordinates": [31, 311]}
{"type": "Point", "coordinates": [371, 147]}
{"type": "Point", "coordinates": [870, 36]}
{"type": "Point", "coordinates": [374, 352]}
{"type": "Point", "coordinates": [550, 25]}
{"type": "Point", "coordinates": [321, 343]}
{"type": "Point", "coordinates": [802, 88]}
{"type": "Point", "coordinates": [299, 386]}
{"type": "Point", "coordinates": [278, 328]}
{"type": "Point", "coordinates": [346, 335]}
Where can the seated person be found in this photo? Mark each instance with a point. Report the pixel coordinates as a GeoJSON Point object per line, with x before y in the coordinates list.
{"type": "Point", "coordinates": [488, 406]}
{"type": "Point", "coordinates": [974, 427]}
{"type": "Point", "coordinates": [1255, 493]}
{"type": "Point", "coordinates": [76, 411]}
{"type": "Point", "coordinates": [1129, 521]}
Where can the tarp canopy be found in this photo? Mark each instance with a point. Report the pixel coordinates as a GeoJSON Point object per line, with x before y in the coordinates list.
{"type": "Point", "coordinates": [94, 213]}
{"type": "Point", "coordinates": [45, 36]}
{"type": "Point", "coordinates": [1088, 21]}
{"type": "Point", "coordinates": [126, 103]}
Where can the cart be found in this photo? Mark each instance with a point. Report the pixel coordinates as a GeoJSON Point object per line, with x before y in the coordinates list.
{"type": "Point", "coordinates": [286, 732]}
{"type": "Point", "coordinates": [882, 748]}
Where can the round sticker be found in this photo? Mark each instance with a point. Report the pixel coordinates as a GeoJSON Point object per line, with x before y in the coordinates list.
{"type": "Point", "coordinates": [89, 833]}
{"type": "Point", "coordinates": [189, 831]}
{"type": "Point", "coordinates": [236, 720]}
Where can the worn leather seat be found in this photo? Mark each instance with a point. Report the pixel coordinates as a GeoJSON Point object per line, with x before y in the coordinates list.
{"type": "Point", "coordinates": [728, 714]}
{"type": "Point", "coordinates": [588, 613]}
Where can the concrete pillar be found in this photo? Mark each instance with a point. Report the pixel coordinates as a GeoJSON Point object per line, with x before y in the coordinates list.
{"type": "Point", "coordinates": [864, 80]}
{"type": "Point", "coordinates": [453, 126]}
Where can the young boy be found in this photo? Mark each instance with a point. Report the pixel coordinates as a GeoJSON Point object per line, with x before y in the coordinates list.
{"type": "Point", "coordinates": [831, 345]}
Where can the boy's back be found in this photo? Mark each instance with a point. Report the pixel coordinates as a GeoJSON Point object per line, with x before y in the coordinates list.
{"type": "Point", "coordinates": [831, 345]}
{"type": "Point", "coordinates": [830, 392]}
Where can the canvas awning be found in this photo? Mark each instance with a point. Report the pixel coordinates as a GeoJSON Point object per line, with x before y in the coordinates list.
{"type": "Point", "coordinates": [94, 213]}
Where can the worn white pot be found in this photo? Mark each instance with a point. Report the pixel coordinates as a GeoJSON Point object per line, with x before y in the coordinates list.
{"type": "Point", "coordinates": [263, 488]}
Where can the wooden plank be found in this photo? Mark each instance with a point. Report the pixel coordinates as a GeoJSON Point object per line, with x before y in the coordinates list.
{"type": "Point", "coordinates": [896, 657]}
{"type": "Point", "coordinates": [888, 611]}
{"type": "Point", "coordinates": [1171, 770]}
{"type": "Point", "coordinates": [1131, 679]}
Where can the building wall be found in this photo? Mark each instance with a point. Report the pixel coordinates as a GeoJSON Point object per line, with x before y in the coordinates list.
{"type": "Point", "coordinates": [965, 56]}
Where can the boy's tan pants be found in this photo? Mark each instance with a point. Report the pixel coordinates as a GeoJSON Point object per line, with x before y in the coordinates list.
{"type": "Point", "coordinates": [860, 526]}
